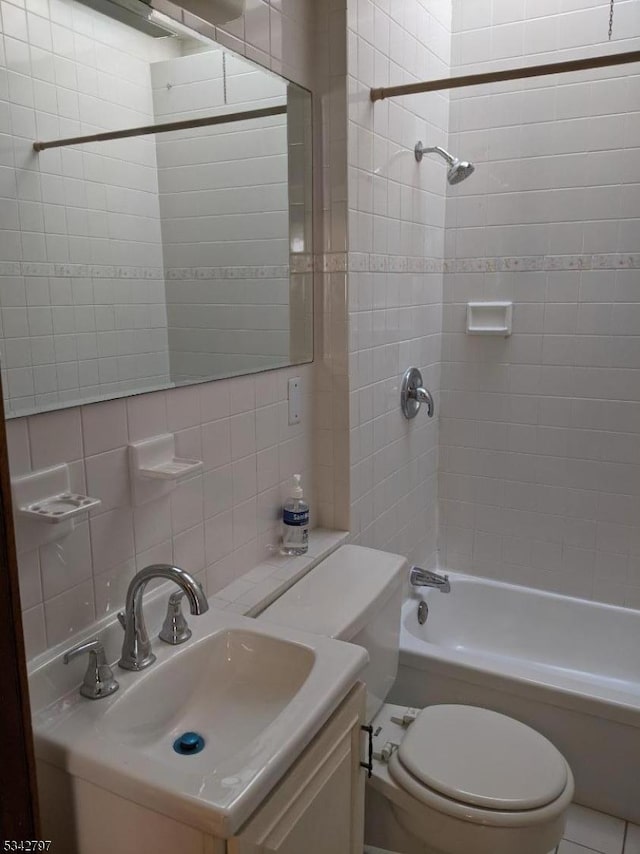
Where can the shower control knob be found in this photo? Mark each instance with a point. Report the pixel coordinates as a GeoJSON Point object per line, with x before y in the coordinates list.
{"type": "Point", "coordinates": [413, 395]}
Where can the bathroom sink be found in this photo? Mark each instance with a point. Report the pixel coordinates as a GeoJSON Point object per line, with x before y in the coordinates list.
{"type": "Point", "coordinates": [256, 694]}
{"type": "Point", "coordinates": [230, 688]}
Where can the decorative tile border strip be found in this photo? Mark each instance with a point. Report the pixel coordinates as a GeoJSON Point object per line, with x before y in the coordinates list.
{"type": "Point", "coordinates": [10, 268]}
{"type": "Point", "coordinates": [253, 272]}
{"type": "Point", "coordinates": [332, 262]}
{"type": "Point", "coordinates": [78, 271]}
{"type": "Point", "coordinates": [99, 271]}
{"type": "Point", "coordinates": [301, 263]}
{"type": "Point", "coordinates": [379, 263]}
{"type": "Point", "coordinates": [616, 262]}
{"type": "Point", "coordinates": [297, 264]}
{"type": "Point", "coordinates": [543, 263]}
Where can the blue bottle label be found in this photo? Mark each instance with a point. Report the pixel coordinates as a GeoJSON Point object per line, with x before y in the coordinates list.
{"type": "Point", "coordinates": [297, 520]}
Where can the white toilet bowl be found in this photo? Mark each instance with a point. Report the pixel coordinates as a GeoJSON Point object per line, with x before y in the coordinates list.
{"type": "Point", "coordinates": [465, 780]}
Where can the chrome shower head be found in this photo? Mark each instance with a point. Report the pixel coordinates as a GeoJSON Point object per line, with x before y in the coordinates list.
{"type": "Point", "coordinates": [458, 169]}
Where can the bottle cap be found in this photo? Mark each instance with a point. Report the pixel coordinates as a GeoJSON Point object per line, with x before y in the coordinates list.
{"type": "Point", "coordinates": [297, 492]}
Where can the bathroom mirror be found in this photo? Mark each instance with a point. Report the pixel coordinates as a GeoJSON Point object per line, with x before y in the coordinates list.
{"type": "Point", "coordinates": [159, 256]}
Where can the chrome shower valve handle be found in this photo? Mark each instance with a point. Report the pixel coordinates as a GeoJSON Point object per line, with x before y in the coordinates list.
{"type": "Point", "coordinates": [413, 395]}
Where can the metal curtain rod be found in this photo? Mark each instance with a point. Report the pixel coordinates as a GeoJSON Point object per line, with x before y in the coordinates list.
{"type": "Point", "coordinates": [163, 128]}
{"type": "Point", "coordinates": [509, 74]}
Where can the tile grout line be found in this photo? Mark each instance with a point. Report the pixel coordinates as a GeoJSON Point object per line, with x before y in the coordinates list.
{"type": "Point", "coordinates": [595, 850]}
{"type": "Point", "coordinates": [580, 845]}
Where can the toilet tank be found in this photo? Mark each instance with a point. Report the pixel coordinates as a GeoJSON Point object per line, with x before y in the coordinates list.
{"type": "Point", "coordinates": [354, 595]}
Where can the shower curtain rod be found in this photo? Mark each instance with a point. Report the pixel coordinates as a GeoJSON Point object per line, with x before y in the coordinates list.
{"type": "Point", "coordinates": [163, 128]}
{"type": "Point", "coordinates": [509, 74]}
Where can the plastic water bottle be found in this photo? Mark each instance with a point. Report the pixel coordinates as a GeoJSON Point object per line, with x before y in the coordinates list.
{"type": "Point", "coordinates": [295, 521]}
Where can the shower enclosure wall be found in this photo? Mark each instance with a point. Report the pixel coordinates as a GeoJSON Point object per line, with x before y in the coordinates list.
{"type": "Point", "coordinates": [539, 442]}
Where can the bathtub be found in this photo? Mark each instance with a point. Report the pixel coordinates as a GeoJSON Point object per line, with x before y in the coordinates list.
{"type": "Point", "coordinates": [568, 667]}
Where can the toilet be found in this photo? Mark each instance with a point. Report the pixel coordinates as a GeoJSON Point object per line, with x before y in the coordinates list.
{"type": "Point", "coordinates": [447, 779]}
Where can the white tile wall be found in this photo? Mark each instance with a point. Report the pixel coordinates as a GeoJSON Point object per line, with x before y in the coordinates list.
{"type": "Point", "coordinates": [227, 265]}
{"type": "Point", "coordinates": [396, 242]}
{"type": "Point", "coordinates": [81, 281]}
{"type": "Point", "coordinates": [220, 523]}
{"type": "Point", "coordinates": [540, 457]}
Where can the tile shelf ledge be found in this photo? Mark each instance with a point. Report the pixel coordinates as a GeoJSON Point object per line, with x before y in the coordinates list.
{"type": "Point", "coordinates": [50, 680]}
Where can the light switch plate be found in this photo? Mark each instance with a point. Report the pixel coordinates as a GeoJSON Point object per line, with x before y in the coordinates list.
{"type": "Point", "coordinates": [295, 400]}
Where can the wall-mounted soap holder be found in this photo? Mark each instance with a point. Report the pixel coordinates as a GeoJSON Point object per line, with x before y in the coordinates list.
{"type": "Point", "coordinates": [155, 469]}
{"type": "Point", "coordinates": [490, 318]}
{"type": "Point", "coordinates": [59, 508]}
{"type": "Point", "coordinates": [172, 469]}
{"type": "Point", "coordinates": [46, 506]}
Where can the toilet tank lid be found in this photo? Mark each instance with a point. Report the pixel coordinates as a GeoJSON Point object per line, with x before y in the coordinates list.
{"type": "Point", "coordinates": [338, 596]}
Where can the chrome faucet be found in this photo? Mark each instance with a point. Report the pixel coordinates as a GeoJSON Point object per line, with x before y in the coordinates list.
{"type": "Point", "coordinates": [136, 647]}
{"type": "Point", "coordinates": [426, 578]}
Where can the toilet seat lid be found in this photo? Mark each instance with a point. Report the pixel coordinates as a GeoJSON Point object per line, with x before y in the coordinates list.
{"type": "Point", "coordinates": [481, 758]}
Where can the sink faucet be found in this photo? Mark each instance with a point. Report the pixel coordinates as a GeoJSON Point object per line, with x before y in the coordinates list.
{"type": "Point", "coordinates": [136, 647]}
{"type": "Point", "coordinates": [426, 578]}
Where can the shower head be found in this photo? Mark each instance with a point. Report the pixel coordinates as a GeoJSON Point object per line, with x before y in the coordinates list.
{"type": "Point", "coordinates": [458, 169]}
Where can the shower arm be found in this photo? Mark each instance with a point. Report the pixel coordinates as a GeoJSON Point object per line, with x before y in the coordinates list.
{"type": "Point", "coordinates": [439, 150]}
{"type": "Point", "coordinates": [420, 151]}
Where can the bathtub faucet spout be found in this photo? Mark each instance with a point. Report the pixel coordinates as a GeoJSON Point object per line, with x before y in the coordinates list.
{"type": "Point", "coordinates": [426, 578]}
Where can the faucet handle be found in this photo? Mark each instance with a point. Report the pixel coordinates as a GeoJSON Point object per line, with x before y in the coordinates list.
{"type": "Point", "coordinates": [413, 394]}
{"type": "Point", "coordinates": [423, 395]}
{"type": "Point", "coordinates": [98, 679]}
{"type": "Point", "coordinates": [175, 629]}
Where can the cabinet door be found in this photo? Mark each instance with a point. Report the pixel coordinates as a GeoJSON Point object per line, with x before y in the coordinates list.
{"type": "Point", "coordinates": [319, 806]}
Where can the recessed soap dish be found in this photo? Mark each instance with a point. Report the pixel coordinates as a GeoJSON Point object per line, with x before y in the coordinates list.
{"type": "Point", "coordinates": [490, 318]}
{"type": "Point", "coordinates": [59, 508]}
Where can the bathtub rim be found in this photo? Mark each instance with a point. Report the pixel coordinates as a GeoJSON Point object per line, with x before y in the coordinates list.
{"type": "Point", "coordinates": [583, 698]}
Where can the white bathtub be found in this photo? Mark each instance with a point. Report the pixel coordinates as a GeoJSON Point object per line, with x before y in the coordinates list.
{"type": "Point", "coordinates": [568, 667]}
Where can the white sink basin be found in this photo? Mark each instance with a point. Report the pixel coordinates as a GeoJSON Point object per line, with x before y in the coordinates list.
{"type": "Point", "coordinates": [256, 694]}
{"type": "Point", "coordinates": [229, 689]}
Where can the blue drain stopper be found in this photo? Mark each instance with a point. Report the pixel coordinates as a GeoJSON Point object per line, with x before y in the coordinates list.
{"type": "Point", "coordinates": [188, 743]}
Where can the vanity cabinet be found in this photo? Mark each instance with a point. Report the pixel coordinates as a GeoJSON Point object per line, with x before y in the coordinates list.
{"type": "Point", "coordinates": [316, 808]}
